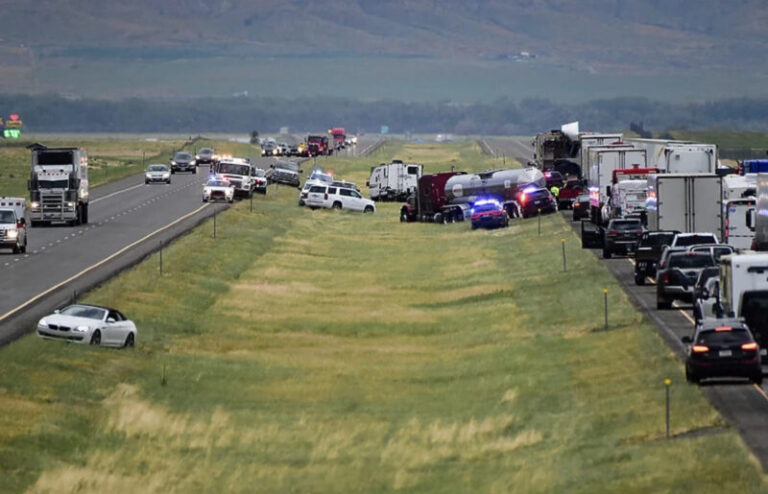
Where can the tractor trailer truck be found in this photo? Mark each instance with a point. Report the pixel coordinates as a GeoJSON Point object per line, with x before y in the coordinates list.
{"type": "Point", "coordinates": [58, 186]}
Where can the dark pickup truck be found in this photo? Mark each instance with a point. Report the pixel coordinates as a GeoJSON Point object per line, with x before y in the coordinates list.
{"type": "Point", "coordinates": [649, 252]}
{"type": "Point", "coordinates": [621, 236]}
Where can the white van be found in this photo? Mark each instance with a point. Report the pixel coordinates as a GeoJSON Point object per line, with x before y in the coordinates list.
{"type": "Point", "coordinates": [328, 196]}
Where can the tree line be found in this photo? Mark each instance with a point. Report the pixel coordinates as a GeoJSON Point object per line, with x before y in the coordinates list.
{"type": "Point", "coordinates": [53, 113]}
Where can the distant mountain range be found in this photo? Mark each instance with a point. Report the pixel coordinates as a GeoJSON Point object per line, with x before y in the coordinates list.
{"type": "Point", "coordinates": [642, 37]}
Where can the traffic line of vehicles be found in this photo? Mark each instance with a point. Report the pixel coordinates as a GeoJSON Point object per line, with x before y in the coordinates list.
{"type": "Point", "coordinates": [314, 145]}
{"type": "Point", "coordinates": [669, 205]}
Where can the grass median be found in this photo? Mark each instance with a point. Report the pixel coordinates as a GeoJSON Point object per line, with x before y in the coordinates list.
{"type": "Point", "coordinates": [324, 351]}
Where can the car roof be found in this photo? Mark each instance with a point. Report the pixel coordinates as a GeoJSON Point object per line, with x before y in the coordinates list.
{"type": "Point", "coordinates": [709, 246]}
{"type": "Point", "coordinates": [710, 323]}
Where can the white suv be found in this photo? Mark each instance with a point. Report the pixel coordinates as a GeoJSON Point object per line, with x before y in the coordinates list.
{"type": "Point", "coordinates": [327, 196]}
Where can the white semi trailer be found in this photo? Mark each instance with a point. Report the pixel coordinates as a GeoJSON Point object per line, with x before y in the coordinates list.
{"type": "Point", "coordinates": [685, 202]}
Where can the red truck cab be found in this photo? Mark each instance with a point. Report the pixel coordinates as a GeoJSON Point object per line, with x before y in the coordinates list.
{"type": "Point", "coordinates": [339, 137]}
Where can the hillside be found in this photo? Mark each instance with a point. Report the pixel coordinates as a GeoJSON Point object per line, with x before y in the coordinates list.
{"type": "Point", "coordinates": [65, 45]}
{"type": "Point", "coordinates": [657, 35]}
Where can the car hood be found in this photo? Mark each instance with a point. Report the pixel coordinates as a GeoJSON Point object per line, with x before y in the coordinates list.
{"type": "Point", "coordinates": [71, 321]}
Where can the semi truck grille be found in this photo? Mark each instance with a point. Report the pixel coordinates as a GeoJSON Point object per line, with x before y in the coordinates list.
{"type": "Point", "coordinates": [2, 234]}
{"type": "Point", "coordinates": [52, 203]}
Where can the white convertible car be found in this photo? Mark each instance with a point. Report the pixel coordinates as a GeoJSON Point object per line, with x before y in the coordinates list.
{"type": "Point", "coordinates": [88, 324]}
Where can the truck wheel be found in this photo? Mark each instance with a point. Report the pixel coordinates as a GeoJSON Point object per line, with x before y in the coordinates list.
{"type": "Point", "coordinates": [639, 278]}
{"type": "Point", "coordinates": [606, 253]}
{"type": "Point", "coordinates": [368, 209]}
{"type": "Point", "coordinates": [194, 171]}
{"type": "Point", "coordinates": [758, 379]}
{"type": "Point", "coordinates": [337, 205]}
{"type": "Point", "coordinates": [403, 217]}
{"type": "Point", "coordinates": [15, 249]}
{"type": "Point", "coordinates": [662, 303]}
{"type": "Point", "coordinates": [23, 248]}
{"type": "Point", "coordinates": [84, 214]}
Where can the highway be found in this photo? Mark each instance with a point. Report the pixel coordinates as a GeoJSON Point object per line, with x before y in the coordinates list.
{"type": "Point", "coordinates": [128, 221]}
{"type": "Point", "coordinates": [742, 404]}
{"type": "Point", "coordinates": [518, 148]}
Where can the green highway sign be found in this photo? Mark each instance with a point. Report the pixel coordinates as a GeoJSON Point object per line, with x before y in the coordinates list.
{"type": "Point", "coordinates": [11, 133]}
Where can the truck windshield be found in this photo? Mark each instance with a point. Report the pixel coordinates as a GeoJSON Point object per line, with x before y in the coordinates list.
{"type": "Point", "coordinates": [687, 261]}
{"type": "Point", "coordinates": [636, 197]}
{"type": "Point", "coordinates": [657, 239]}
{"type": "Point", "coordinates": [54, 158]}
{"type": "Point", "coordinates": [287, 165]}
{"type": "Point", "coordinates": [686, 240]}
{"type": "Point", "coordinates": [234, 169]}
{"type": "Point", "coordinates": [626, 225]}
{"type": "Point", "coordinates": [7, 217]}
{"type": "Point", "coordinates": [53, 184]}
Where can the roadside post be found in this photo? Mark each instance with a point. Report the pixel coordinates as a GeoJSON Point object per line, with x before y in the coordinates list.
{"type": "Point", "coordinates": [251, 197]}
{"type": "Point", "coordinates": [539, 216]}
{"type": "Point", "coordinates": [667, 383]}
{"type": "Point", "coordinates": [161, 259]}
{"type": "Point", "coordinates": [605, 305]}
{"type": "Point", "coordinates": [214, 221]}
{"type": "Point", "coordinates": [565, 265]}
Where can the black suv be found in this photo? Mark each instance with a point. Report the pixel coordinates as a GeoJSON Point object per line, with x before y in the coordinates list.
{"type": "Point", "coordinates": [648, 253]}
{"type": "Point", "coordinates": [204, 156]}
{"type": "Point", "coordinates": [183, 161]}
{"type": "Point", "coordinates": [621, 236]}
{"type": "Point", "coordinates": [722, 348]}
{"type": "Point", "coordinates": [533, 201]}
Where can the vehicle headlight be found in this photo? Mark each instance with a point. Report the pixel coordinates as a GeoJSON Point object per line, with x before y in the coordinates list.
{"type": "Point", "coordinates": [82, 329]}
{"type": "Point", "coordinates": [43, 322]}
{"type": "Point", "coordinates": [166, 174]}
{"type": "Point", "coordinates": [70, 204]}
{"type": "Point", "coordinates": [206, 190]}
{"type": "Point", "coordinates": [173, 162]}
{"type": "Point", "coordinates": [12, 233]}
{"type": "Point", "coordinates": [34, 204]}
{"type": "Point", "coordinates": [148, 175]}
{"type": "Point", "coordinates": [197, 157]}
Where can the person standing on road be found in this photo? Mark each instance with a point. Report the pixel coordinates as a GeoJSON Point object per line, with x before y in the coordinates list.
{"type": "Point", "coordinates": [555, 190]}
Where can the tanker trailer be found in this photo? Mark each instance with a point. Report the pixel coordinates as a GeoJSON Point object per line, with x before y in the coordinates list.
{"type": "Point", "coordinates": [462, 191]}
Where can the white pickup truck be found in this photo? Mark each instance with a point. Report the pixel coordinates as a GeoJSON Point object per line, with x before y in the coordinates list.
{"type": "Point", "coordinates": [13, 224]}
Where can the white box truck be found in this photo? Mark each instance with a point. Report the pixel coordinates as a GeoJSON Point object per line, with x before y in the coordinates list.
{"type": "Point", "coordinates": [394, 181]}
{"type": "Point", "coordinates": [603, 161]}
{"type": "Point", "coordinates": [587, 141]}
{"type": "Point", "coordinates": [685, 202]}
{"type": "Point", "coordinates": [744, 292]}
{"type": "Point", "coordinates": [673, 156]}
{"type": "Point", "coordinates": [738, 226]}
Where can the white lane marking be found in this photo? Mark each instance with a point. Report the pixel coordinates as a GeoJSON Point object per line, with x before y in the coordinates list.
{"type": "Point", "coordinates": [96, 265]}
{"type": "Point", "coordinates": [116, 193]}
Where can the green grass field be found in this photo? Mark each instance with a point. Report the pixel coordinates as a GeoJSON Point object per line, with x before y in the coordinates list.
{"type": "Point", "coordinates": [323, 351]}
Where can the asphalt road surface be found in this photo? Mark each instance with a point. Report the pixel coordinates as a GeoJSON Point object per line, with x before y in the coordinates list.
{"type": "Point", "coordinates": [518, 147]}
{"type": "Point", "coordinates": [128, 221]}
{"type": "Point", "coordinates": [743, 404]}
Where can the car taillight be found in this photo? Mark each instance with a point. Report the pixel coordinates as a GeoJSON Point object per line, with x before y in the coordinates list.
{"type": "Point", "coordinates": [19, 225]}
{"type": "Point", "coordinates": [576, 204]}
{"type": "Point", "coordinates": [665, 278]}
{"type": "Point", "coordinates": [639, 232]}
{"type": "Point", "coordinates": [749, 346]}
{"type": "Point", "coordinates": [613, 232]}
{"type": "Point", "coordinates": [326, 197]}
{"type": "Point", "coordinates": [523, 198]}
{"type": "Point", "coordinates": [700, 349]}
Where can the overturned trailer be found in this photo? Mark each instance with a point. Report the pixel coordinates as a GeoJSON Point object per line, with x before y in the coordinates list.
{"type": "Point", "coordinates": [447, 197]}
